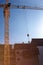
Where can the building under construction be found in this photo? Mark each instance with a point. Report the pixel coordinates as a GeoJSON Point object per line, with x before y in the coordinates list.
{"type": "Point", "coordinates": [21, 54]}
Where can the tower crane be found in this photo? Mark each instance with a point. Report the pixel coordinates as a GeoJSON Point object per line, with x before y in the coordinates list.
{"type": "Point", "coordinates": [6, 12]}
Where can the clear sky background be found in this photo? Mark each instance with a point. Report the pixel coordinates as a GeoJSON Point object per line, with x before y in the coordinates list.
{"type": "Point", "coordinates": [23, 21]}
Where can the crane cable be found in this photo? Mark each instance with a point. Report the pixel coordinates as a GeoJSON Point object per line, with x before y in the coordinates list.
{"type": "Point", "coordinates": [26, 23]}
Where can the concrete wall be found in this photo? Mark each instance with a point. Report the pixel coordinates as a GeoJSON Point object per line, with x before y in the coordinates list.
{"type": "Point", "coordinates": [41, 54]}
{"type": "Point", "coordinates": [26, 56]}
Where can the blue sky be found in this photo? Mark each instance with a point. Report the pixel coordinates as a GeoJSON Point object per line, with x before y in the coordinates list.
{"type": "Point", "coordinates": [23, 21]}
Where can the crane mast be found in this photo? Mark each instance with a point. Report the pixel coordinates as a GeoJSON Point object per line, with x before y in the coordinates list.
{"type": "Point", "coordinates": [6, 17]}
{"type": "Point", "coordinates": [6, 37]}
{"type": "Point", "coordinates": [7, 1]}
